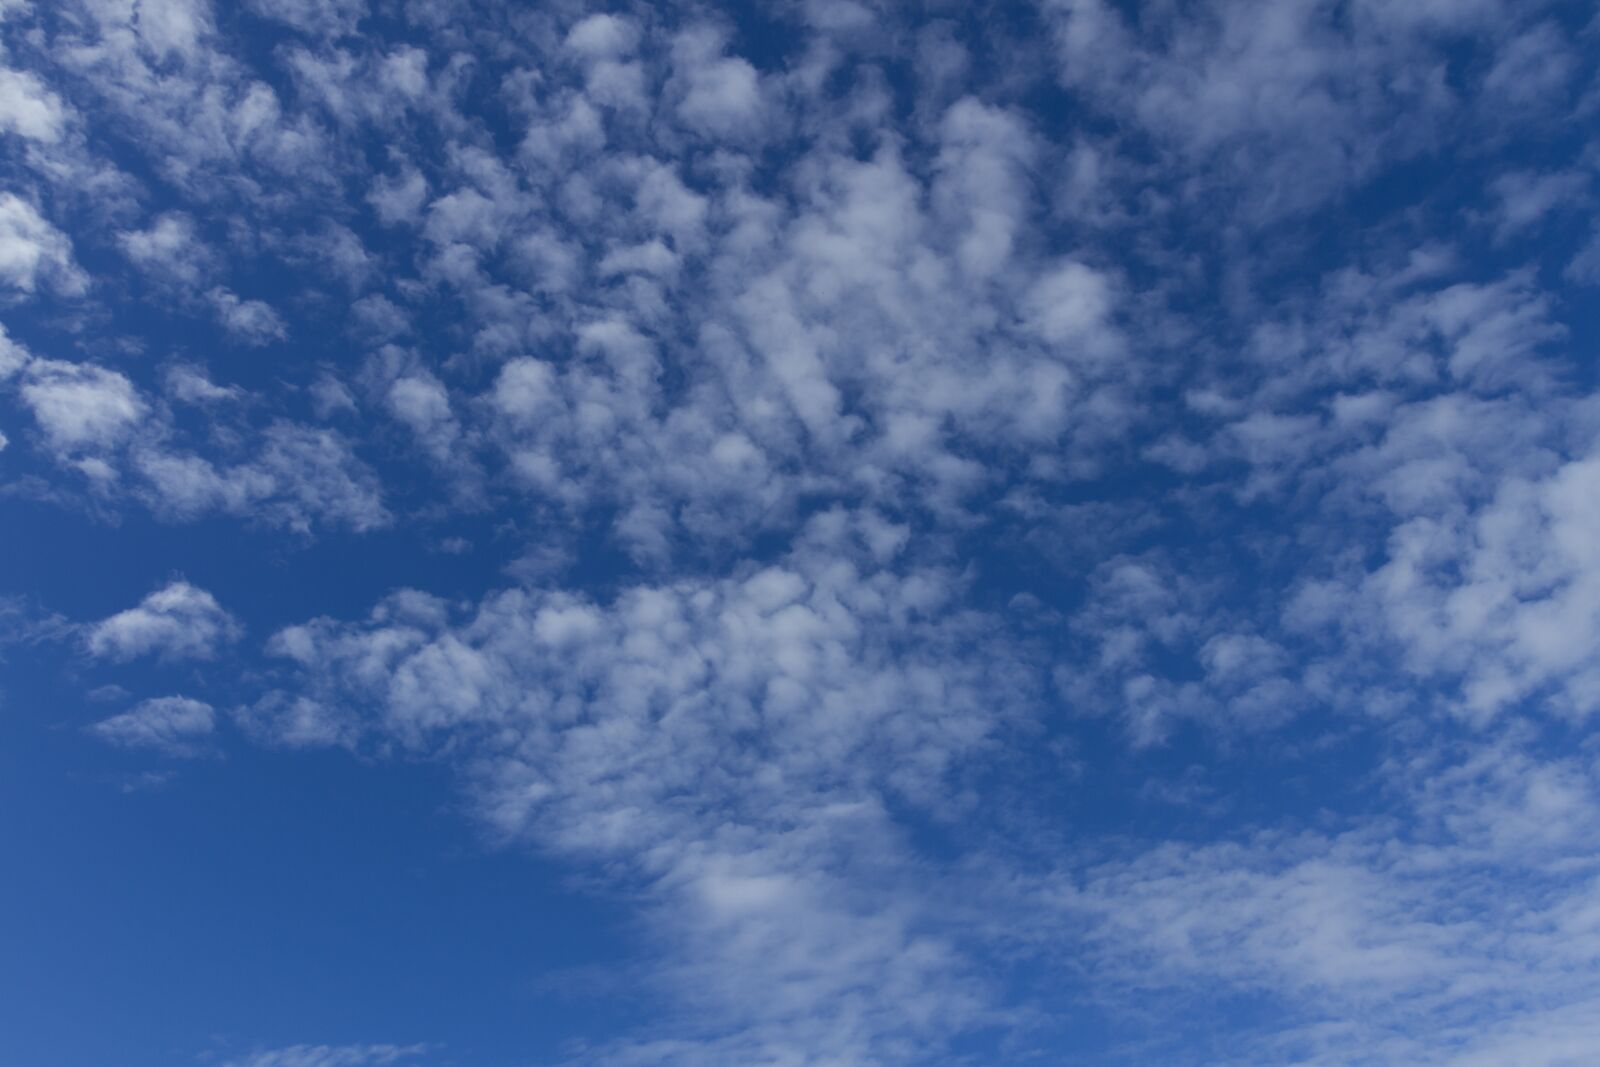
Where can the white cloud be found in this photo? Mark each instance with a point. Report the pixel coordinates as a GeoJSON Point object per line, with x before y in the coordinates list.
{"type": "Point", "coordinates": [721, 94]}
{"type": "Point", "coordinates": [172, 26]}
{"type": "Point", "coordinates": [1369, 943]}
{"type": "Point", "coordinates": [296, 477]}
{"type": "Point", "coordinates": [1585, 265]}
{"type": "Point", "coordinates": [603, 36]}
{"type": "Point", "coordinates": [420, 401]}
{"type": "Point", "coordinates": [191, 385]}
{"type": "Point", "coordinates": [32, 250]}
{"type": "Point", "coordinates": [79, 405]}
{"type": "Point", "coordinates": [399, 199]}
{"type": "Point", "coordinates": [95, 420]}
{"type": "Point", "coordinates": [13, 356]}
{"type": "Point", "coordinates": [733, 742]}
{"type": "Point", "coordinates": [1505, 599]}
{"type": "Point", "coordinates": [162, 72]}
{"type": "Point", "coordinates": [1295, 104]}
{"type": "Point", "coordinates": [1533, 67]}
{"type": "Point", "coordinates": [1526, 197]}
{"type": "Point", "coordinates": [1071, 306]}
{"type": "Point", "coordinates": [863, 334]}
{"type": "Point", "coordinates": [296, 722]}
{"type": "Point", "coordinates": [252, 321]}
{"type": "Point", "coordinates": [176, 726]}
{"type": "Point", "coordinates": [178, 621]}
{"type": "Point", "coordinates": [313, 16]}
{"type": "Point", "coordinates": [1281, 486]}
{"type": "Point", "coordinates": [329, 1056]}
{"type": "Point", "coordinates": [28, 108]}
{"type": "Point", "coordinates": [170, 249]}
{"type": "Point", "coordinates": [981, 192]}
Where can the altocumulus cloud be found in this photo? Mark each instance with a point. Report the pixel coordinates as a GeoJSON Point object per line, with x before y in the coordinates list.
{"type": "Point", "coordinates": [976, 529]}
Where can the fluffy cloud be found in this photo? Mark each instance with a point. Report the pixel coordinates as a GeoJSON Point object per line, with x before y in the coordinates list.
{"type": "Point", "coordinates": [81, 406]}
{"type": "Point", "coordinates": [29, 109]}
{"type": "Point", "coordinates": [251, 321]}
{"type": "Point", "coordinates": [420, 401]}
{"type": "Point", "coordinates": [721, 93]}
{"type": "Point", "coordinates": [1503, 598]}
{"type": "Point", "coordinates": [178, 621]}
{"type": "Point", "coordinates": [33, 251]}
{"type": "Point", "coordinates": [191, 385]}
{"type": "Point", "coordinates": [170, 249]}
{"type": "Point", "coordinates": [95, 420]}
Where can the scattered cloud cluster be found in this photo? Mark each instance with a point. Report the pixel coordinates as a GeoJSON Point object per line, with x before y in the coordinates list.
{"type": "Point", "coordinates": [732, 742]}
{"type": "Point", "coordinates": [123, 442]}
{"type": "Point", "coordinates": [910, 445]}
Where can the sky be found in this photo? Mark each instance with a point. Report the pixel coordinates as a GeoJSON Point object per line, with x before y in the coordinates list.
{"type": "Point", "coordinates": [813, 533]}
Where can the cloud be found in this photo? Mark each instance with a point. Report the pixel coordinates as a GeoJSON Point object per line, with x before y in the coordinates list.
{"type": "Point", "coordinates": [1504, 599]}
{"type": "Point", "coordinates": [170, 249]}
{"type": "Point", "coordinates": [721, 94]}
{"type": "Point", "coordinates": [288, 721]}
{"type": "Point", "coordinates": [28, 108]}
{"type": "Point", "coordinates": [1128, 468]}
{"type": "Point", "coordinates": [252, 321]}
{"type": "Point", "coordinates": [779, 386]}
{"type": "Point", "coordinates": [734, 743]}
{"type": "Point", "coordinates": [79, 405]}
{"type": "Point", "coordinates": [13, 356]}
{"type": "Point", "coordinates": [33, 251]}
{"type": "Point", "coordinates": [1532, 68]}
{"type": "Point", "coordinates": [1526, 197]}
{"type": "Point", "coordinates": [95, 420]}
{"type": "Point", "coordinates": [1425, 944]}
{"type": "Point", "coordinates": [191, 385]}
{"type": "Point", "coordinates": [421, 403]}
{"type": "Point", "coordinates": [178, 621]}
{"type": "Point", "coordinates": [330, 1056]}
{"type": "Point", "coordinates": [300, 476]}
{"type": "Point", "coordinates": [174, 726]}
{"type": "Point", "coordinates": [603, 36]}
{"type": "Point", "coordinates": [321, 17]}
{"type": "Point", "coordinates": [1302, 108]}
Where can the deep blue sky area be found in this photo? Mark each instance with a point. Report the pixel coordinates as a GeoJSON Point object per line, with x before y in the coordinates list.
{"type": "Point", "coordinates": [325, 892]}
{"type": "Point", "coordinates": [823, 533]}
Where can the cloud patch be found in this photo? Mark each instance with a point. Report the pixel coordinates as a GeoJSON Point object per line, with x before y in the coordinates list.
{"type": "Point", "coordinates": [173, 726]}
{"type": "Point", "coordinates": [178, 621]}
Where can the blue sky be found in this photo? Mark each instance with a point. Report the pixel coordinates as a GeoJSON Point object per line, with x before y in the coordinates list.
{"type": "Point", "coordinates": [811, 534]}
